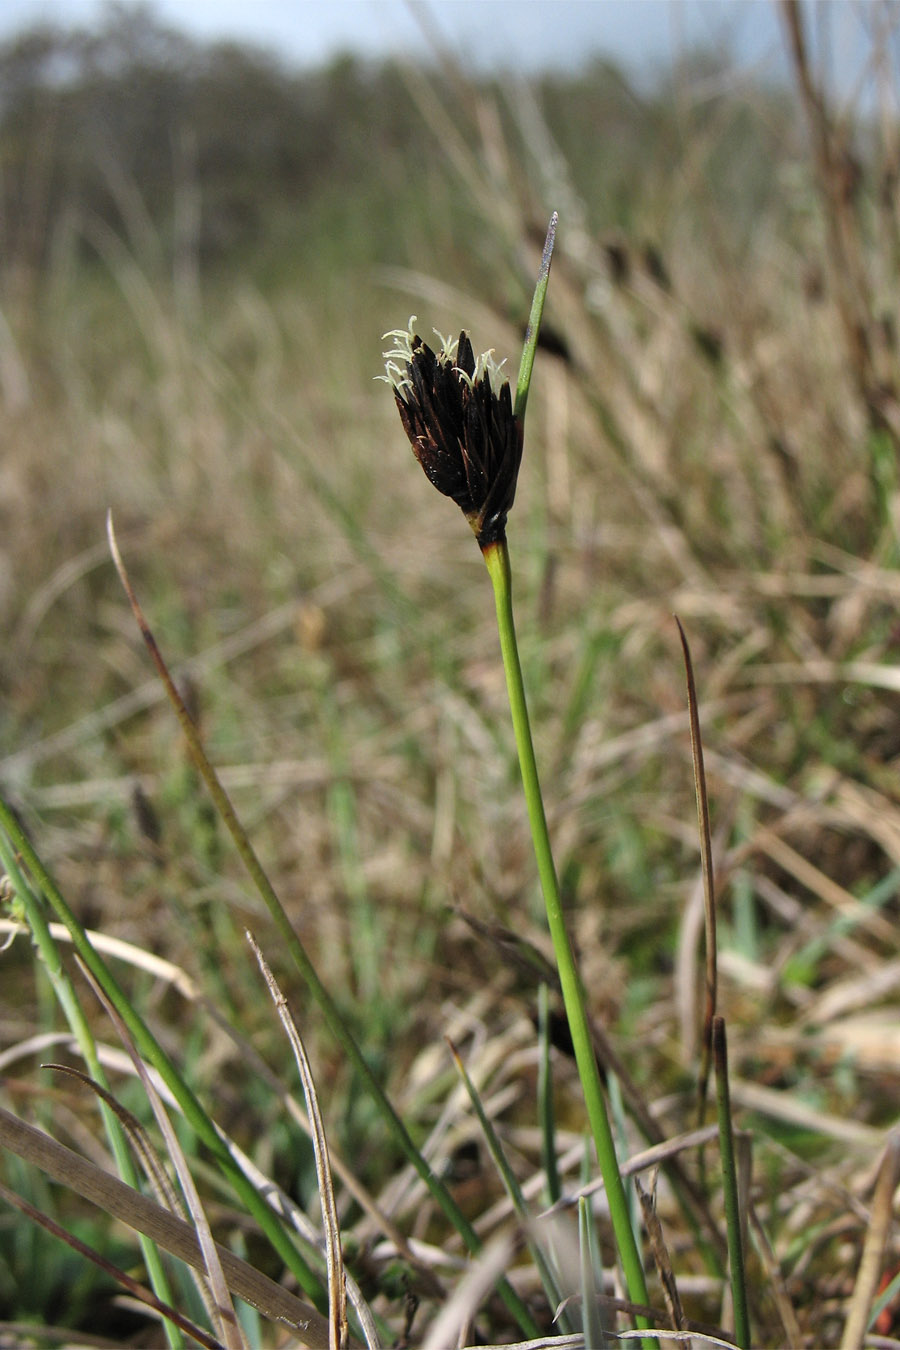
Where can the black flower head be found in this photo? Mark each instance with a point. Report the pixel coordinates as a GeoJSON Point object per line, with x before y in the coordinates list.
{"type": "Point", "coordinates": [463, 433]}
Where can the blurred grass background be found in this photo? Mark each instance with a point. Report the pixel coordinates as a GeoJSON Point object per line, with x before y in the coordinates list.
{"type": "Point", "coordinates": [199, 252]}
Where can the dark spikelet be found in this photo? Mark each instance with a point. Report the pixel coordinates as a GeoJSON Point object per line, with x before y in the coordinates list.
{"type": "Point", "coordinates": [464, 435]}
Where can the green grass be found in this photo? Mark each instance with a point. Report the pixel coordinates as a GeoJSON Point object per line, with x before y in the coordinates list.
{"type": "Point", "coordinates": [335, 626]}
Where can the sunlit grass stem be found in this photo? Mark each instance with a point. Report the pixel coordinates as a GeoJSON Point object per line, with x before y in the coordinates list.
{"type": "Point", "coordinates": [730, 1187]}
{"type": "Point", "coordinates": [496, 557]}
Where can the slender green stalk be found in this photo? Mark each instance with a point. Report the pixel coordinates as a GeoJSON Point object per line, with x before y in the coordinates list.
{"type": "Point", "coordinates": [595, 1333]}
{"type": "Point", "coordinates": [545, 1098]}
{"type": "Point", "coordinates": [729, 1178]}
{"type": "Point", "coordinates": [496, 557]}
{"type": "Point", "coordinates": [618, 1124]}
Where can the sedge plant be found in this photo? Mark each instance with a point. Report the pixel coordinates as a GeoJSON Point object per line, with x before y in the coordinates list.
{"type": "Point", "coordinates": [468, 434]}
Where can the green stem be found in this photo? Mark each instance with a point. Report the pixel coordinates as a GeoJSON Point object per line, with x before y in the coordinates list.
{"type": "Point", "coordinates": [496, 557]}
{"type": "Point", "coordinates": [730, 1183]}
{"type": "Point", "coordinates": [545, 1098]}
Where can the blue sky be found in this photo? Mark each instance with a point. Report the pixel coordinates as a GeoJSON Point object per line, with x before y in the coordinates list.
{"type": "Point", "coordinates": [519, 33]}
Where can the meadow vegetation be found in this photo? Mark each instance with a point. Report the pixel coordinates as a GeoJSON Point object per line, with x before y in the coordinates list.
{"type": "Point", "coordinates": [200, 250]}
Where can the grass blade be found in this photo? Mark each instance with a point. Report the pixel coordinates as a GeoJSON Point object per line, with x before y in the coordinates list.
{"type": "Point", "coordinates": [730, 1182]}
{"type": "Point", "coordinates": [526, 366]}
{"type": "Point", "coordinates": [595, 1333]}
{"type": "Point", "coordinates": [872, 1260]}
{"type": "Point", "coordinates": [661, 1255]}
{"type": "Point", "coordinates": [545, 1099]}
{"type": "Point", "coordinates": [337, 1289]}
{"type": "Point", "coordinates": [706, 860]}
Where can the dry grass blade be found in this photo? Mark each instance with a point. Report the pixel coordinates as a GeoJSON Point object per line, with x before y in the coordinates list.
{"type": "Point", "coordinates": [138, 1291]}
{"type": "Point", "coordinates": [655, 1156]}
{"type": "Point", "coordinates": [661, 1255]}
{"type": "Point", "coordinates": [282, 1203]}
{"type": "Point", "coordinates": [844, 249]}
{"type": "Point", "coordinates": [709, 896]}
{"type": "Point", "coordinates": [872, 1261]}
{"type": "Point", "coordinates": [337, 1291]}
{"type": "Point", "coordinates": [793, 1334]}
{"type": "Point", "coordinates": [834, 895]}
{"type": "Point", "coordinates": [572, 1341]}
{"type": "Point", "coordinates": [683, 1338]}
{"type": "Point", "coordinates": [219, 1302]}
{"type": "Point", "coordinates": [785, 1106]}
{"type": "Point", "coordinates": [137, 1136]}
{"type": "Point", "coordinates": [34, 1045]}
{"type": "Point", "coordinates": [122, 1202]}
{"type": "Point", "coordinates": [86, 1341]}
{"type": "Point", "coordinates": [462, 1305]}
{"type": "Point", "coordinates": [872, 674]}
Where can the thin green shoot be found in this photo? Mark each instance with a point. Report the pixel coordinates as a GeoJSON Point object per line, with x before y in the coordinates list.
{"type": "Point", "coordinates": [730, 1183]}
